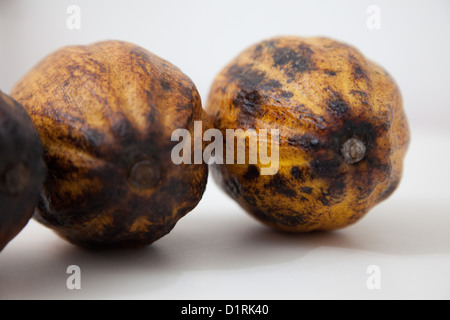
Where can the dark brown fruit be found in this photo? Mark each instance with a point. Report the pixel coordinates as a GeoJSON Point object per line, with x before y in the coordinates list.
{"type": "Point", "coordinates": [105, 113]}
{"type": "Point", "coordinates": [22, 168]}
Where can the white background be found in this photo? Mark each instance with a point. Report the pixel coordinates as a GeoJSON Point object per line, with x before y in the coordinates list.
{"type": "Point", "coordinates": [217, 251]}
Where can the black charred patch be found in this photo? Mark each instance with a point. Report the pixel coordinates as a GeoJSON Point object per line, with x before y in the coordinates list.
{"type": "Point", "coordinates": [184, 106]}
{"type": "Point", "coordinates": [293, 62]}
{"type": "Point", "coordinates": [330, 72]}
{"type": "Point", "coordinates": [370, 171]}
{"type": "Point", "coordinates": [301, 109]}
{"type": "Point", "coordinates": [358, 71]}
{"type": "Point", "coordinates": [360, 93]}
{"type": "Point", "coordinates": [57, 169]}
{"type": "Point", "coordinates": [319, 121]}
{"type": "Point", "coordinates": [363, 130]}
{"type": "Point", "coordinates": [252, 172]}
{"type": "Point", "coordinates": [122, 129]}
{"type": "Point", "coordinates": [286, 94]}
{"type": "Point", "coordinates": [236, 70]}
{"type": "Point", "coordinates": [337, 188]}
{"type": "Point", "coordinates": [324, 198]}
{"type": "Point", "coordinates": [274, 86]}
{"type": "Point", "coordinates": [186, 91]}
{"type": "Point", "coordinates": [271, 84]}
{"type": "Point", "coordinates": [337, 104]}
{"type": "Point", "coordinates": [305, 115]}
{"type": "Point", "coordinates": [333, 194]}
{"type": "Point", "coordinates": [298, 174]}
{"type": "Point", "coordinates": [293, 220]}
{"type": "Point", "coordinates": [363, 96]}
{"type": "Point", "coordinates": [280, 185]}
{"type": "Point", "coordinates": [339, 107]}
{"type": "Point", "coordinates": [306, 190]}
{"type": "Point", "coordinates": [307, 142]}
{"type": "Point", "coordinates": [327, 165]}
{"type": "Point", "coordinates": [250, 199]}
{"type": "Point", "coordinates": [246, 76]}
{"type": "Point", "coordinates": [233, 186]}
{"type": "Point", "coordinates": [325, 168]}
{"type": "Point", "coordinates": [165, 84]}
{"type": "Point", "coordinates": [251, 78]}
{"type": "Point", "coordinates": [289, 218]}
{"type": "Point", "coordinates": [249, 102]}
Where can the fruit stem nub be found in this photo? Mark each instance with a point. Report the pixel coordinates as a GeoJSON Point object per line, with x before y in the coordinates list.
{"type": "Point", "coordinates": [144, 174]}
{"type": "Point", "coordinates": [353, 150]}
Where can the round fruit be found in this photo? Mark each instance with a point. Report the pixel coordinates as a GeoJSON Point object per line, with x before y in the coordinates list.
{"type": "Point", "coordinates": [106, 113]}
{"type": "Point", "coordinates": [342, 131]}
{"type": "Point", "coordinates": [22, 169]}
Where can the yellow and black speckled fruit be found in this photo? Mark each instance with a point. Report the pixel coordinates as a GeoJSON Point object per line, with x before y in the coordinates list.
{"type": "Point", "coordinates": [105, 113]}
{"type": "Point", "coordinates": [22, 169]}
{"type": "Point", "coordinates": [343, 132]}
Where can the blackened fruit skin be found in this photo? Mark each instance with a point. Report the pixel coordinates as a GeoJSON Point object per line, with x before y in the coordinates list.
{"type": "Point", "coordinates": [105, 113]}
{"type": "Point", "coordinates": [22, 169]}
{"type": "Point", "coordinates": [343, 131]}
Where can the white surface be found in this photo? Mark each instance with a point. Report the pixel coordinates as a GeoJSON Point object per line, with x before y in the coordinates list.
{"type": "Point", "coordinates": [218, 251]}
{"type": "Point", "coordinates": [201, 36]}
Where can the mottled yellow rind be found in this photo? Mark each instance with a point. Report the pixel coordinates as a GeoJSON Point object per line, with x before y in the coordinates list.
{"type": "Point", "coordinates": [318, 93]}
{"type": "Point", "coordinates": [99, 110]}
